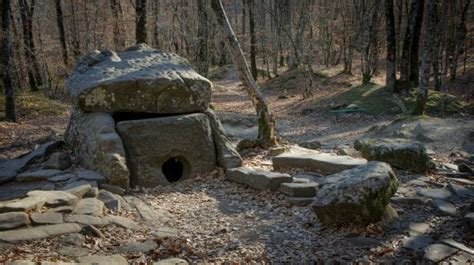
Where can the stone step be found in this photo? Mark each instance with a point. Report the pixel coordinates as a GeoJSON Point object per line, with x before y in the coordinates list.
{"type": "Point", "coordinates": [299, 189]}
{"type": "Point", "coordinates": [323, 162]}
{"type": "Point", "coordinates": [39, 232]}
{"type": "Point", "coordinates": [257, 178]}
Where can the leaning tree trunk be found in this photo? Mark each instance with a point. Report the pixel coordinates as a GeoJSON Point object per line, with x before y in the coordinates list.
{"type": "Point", "coordinates": [266, 124]}
{"type": "Point", "coordinates": [203, 36]}
{"type": "Point", "coordinates": [422, 96]}
{"type": "Point", "coordinates": [140, 27]}
{"type": "Point", "coordinates": [62, 32]}
{"type": "Point", "coordinates": [6, 63]}
{"type": "Point", "coordinates": [391, 46]}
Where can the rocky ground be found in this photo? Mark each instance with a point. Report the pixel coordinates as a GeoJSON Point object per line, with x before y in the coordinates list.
{"type": "Point", "coordinates": [73, 216]}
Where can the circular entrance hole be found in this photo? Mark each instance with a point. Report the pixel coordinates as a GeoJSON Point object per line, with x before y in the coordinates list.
{"type": "Point", "coordinates": [173, 169]}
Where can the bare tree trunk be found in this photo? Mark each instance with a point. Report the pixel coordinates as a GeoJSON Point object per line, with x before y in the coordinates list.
{"type": "Point", "coordinates": [253, 40]}
{"type": "Point", "coordinates": [141, 14]}
{"type": "Point", "coordinates": [62, 33]}
{"type": "Point", "coordinates": [422, 97]}
{"type": "Point", "coordinates": [461, 33]}
{"type": "Point", "coordinates": [6, 63]}
{"type": "Point", "coordinates": [156, 26]}
{"type": "Point", "coordinates": [76, 44]}
{"type": "Point", "coordinates": [391, 46]}
{"type": "Point", "coordinates": [266, 124]}
{"type": "Point", "coordinates": [117, 12]}
{"type": "Point", "coordinates": [203, 36]}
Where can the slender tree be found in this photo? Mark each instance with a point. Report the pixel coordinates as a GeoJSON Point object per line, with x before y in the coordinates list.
{"type": "Point", "coordinates": [266, 124]}
{"type": "Point", "coordinates": [141, 14]}
{"type": "Point", "coordinates": [117, 12]}
{"type": "Point", "coordinates": [6, 63]}
{"type": "Point", "coordinates": [391, 46]}
{"type": "Point", "coordinates": [203, 36]}
{"type": "Point", "coordinates": [62, 33]}
{"type": "Point", "coordinates": [253, 39]}
{"type": "Point", "coordinates": [422, 96]}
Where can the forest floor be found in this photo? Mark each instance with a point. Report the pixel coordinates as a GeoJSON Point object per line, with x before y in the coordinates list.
{"type": "Point", "coordinates": [223, 222]}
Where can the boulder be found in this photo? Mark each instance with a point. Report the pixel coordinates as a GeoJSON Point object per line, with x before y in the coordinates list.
{"type": "Point", "coordinates": [89, 206]}
{"type": "Point", "coordinates": [13, 220]}
{"type": "Point", "coordinates": [168, 149]}
{"type": "Point", "coordinates": [324, 162]}
{"type": "Point", "coordinates": [38, 232]}
{"type": "Point", "coordinates": [398, 153]}
{"type": "Point", "coordinates": [110, 200]}
{"type": "Point", "coordinates": [58, 160]}
{"type": "Point", "coordinates": [359, 195]}
{"type": "Point", "coordinates": [93, 138]}
{"type": "Point", "coordinates": [258, 179]}
{"type": "Point", "coordinates": [140, 79]}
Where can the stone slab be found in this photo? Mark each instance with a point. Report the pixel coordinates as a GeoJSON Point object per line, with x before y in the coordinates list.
{"type": "Point", "coordinates": [257, 178]}
{"type": "Point", "coordinates": [39, 232]}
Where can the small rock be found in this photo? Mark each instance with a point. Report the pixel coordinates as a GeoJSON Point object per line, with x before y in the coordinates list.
{"type": "Point", "coordinates": [78, 188]}
{"type": "Point", "coordinates": [13, 220]}
{"type": "Point", "coordinates": [73, 251]}
{"type": "Point", "coordinates": [258, 179]}
{"type": "Point", "coordinates": [112, 188]}
{"type": "Point", "coordinates": [54, 198]}
{"type": "Point", "coordinates": [314, 145]}
{"type": "Point", "coordinates": [417, 183]}
{"type": "Point", "coordinates": [90, 175]}
{"type": "Point", "coordinates": [86, 220]}
{"type": "Point", "coordinates": [469, 221]}
{"type": "Point", "coordinates": [25, 204]}
{"type": "Point", "coordinates": [411, 201]}
{"type": "Point", "coordinates": [38, 232]}
{"type": "Point", "coordinates": [418, 228]}
{"type": "Point", "coordinates": [299, 202]}
{"type": "Point", "coordinates": [58, 160]}
{"type": "Point", "coordinates": [173, 261]}
{"type": "Point", "coordinates": [47, 218]}
{"type": "Point", "coordinates": [115, 259]}
{"type": "Point", "coordinates": [110, 200]}
{"type": "Point", "coordinates": [138, 247]}
{"type": "Point", "coordinates": [417, 242]}
{"type": "Point", "coordinates": [92, 193]}
{"type": "Point", "coordinates": [389, 215]}
{"type": "Point", "coordinates": [435, 193]}
{"type": "Point", "coordinates": [438, 252]}
{"type": "Point", "coordinates": [90, 206]}
{"type": "Point", "coordinates": [38, 175]}
{"type": "Point", "coordinates": [450, 166]}
{"type": "Point", "coordinates": [299, 189]}
{"type": "Point", "coordinates": [461, 191]}
{"type": "Point", "coordinates": [123, 222]}
{"type": "Point", "coordinates": [92, 231]}
{"type": "Point", "coordinates": [125, 206]}
{"type": "Point", "coordinates": [457, 245]}
{"type": "Point", "coordinates": [274, 151]}
{"type": "Point", "coordinates": [165, 232]}
{"type": "Point", "coordinates": [75, 239]}
{"type": "Point", "coordinates": [444, 207]}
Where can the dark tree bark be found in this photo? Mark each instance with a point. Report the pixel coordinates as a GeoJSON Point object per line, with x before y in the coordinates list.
{"type": "Point", "coordinates": [203, 36]}
{"type": "Point", "coordinates": [409, 67]}
{"type": "Point", "coordinates": [253, 40]}
{"type": "Point", "coordinates": [266, 124]}
{"type": "Point", "coordinates": [391, 46]}
{"type": "Point", "coordinates": [6, 63]}
{"type": "Point", "coordinates": [62, 33]}
{"type": "Point", "coordinates": [75, 40]}
{"type": "Point", "coordinates": [117, 12]}
{"type": "Point", "coordinates": [461, 33]}
{"type": "Point", "coordinates": [141, 13]}
{"type": "Point", "coordinates": [422, 97]}
{"type": "Point", "coordinates": [34, 74]}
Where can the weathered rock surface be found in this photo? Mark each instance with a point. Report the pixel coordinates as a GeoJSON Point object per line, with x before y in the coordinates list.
{"type": "Point", "coordinates": [94, 139]}
{"type": "Point", "coordinates": [38, 232]}
{"type": "Point", "coordinates": [324, 162]}
{"type": "Point", "coordinates": [227, 155]}
{"type": "Point", "coordinates": [187, 139]}
{"type": "Point", "coordinates": [444, 207]}
{"type": "Point", "coordinates": [112, 188]}
{"type": "Point", "coordinates": [58, 160]}
{"type": "Point", "coordinates": [437, 252]}
{"type": "Point", "coordinates": [299, 189]}
{"type": "Point", "coordinates": [138, 247]}
{"type": "Point", "coordinates": [38, 175]}
{"type": "Point", "coordinates": [25, 204]}
{"type": "Point", "coordinates": [359, 195]}
{"type": "Point", "coordinates": [165, 232]}
{"type": "Point", "coordinates": [469, 221]}
{"type": "Point", "coordinates": [398, 153]}
{"type": "Point", "coordinates": [123, 222]}
{"type": "Point", "coordinates": [86, 220]}
{"type": "Point", "coordinates": [89, 206]}
{"type": "Point", "coordinates": [417, 242]}
{"type": "Point", "coordinates": [13, 220]}
{"type": "Point", "coordinates": [54, 198]}
{"type": "Point", "coordinates": [78, 188]}
{"type": "Point", "coordinates": [75, 239]}
{"type": "Point", "coordinates": [140, 79]}
{"type": "Point", "coordinates": [115, 259]}
{"type": "Point", "coordinates": [441, 194]}
{"type": "Point", "coordinates": [73, 251]}
{"type": "Point", "coordinates": [47, 218]}
{"type": "Point", "coordinates": [173, 261]}
{"type": "Point", "coordinates": [110, 200]}
{"type": "Point", "coordinates": [299, 201]}
{"type": "Point", "coordinates": [257, 178]}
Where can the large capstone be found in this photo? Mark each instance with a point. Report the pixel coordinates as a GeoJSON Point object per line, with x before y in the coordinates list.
{"type": "Point", "coordinates": [168, 149]}
{"type": "Point", "coordinates": [140, 79]}
{"type": "Point", "coordinates": [359, 195]}
{"type": "Point", "coordinates": [398, 153]}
